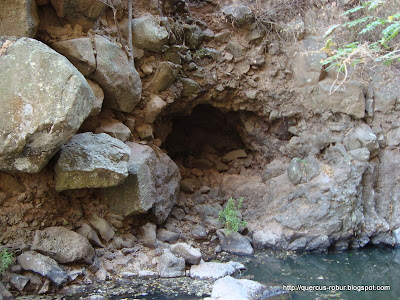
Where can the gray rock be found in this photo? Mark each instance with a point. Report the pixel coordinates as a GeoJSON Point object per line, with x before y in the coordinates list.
{"type": "Point", "coordinates": [191, 88]}
{"type": "Point", "coordinates": [274, 169]}
{"type": "Point", "coordinates": [171, 266]}
{"type": "Point", "coordinates": [148, 34]}
{"type": "Point", "coordinates": [222, 37]}
{"type": "Point", "coordinates": [214, 270]}
{"type": "Point", "coordinates": [82, 12]}
{"type": "Point", "coordinates": [107, 64]}
{"type": "Point", "coordinates": [208, 35]}
{"type": "Point", "coordinates": [191, 255]}
{"type": "Point", "coordinates": [348, 99]}
{"type": "Point", "coordinates": [56, 100]}
{"type": "Point", "coordinates": [362, 154]}
{"type": "Point", "coordinates": [189, 185]}
{"type": "Point", "coordinates": [80, 53]}
{"type": "Point", "coordinates": [116, 130]}
{"type": "Point", "coordinates": [362, 137]}
{"type": "Point", "coordinates": [193, 36]}
{"type": "Point", "coordinates": [393, 137]}
{"type": "Point", "coordinates": [241, 15]}
{"type": "Point", "coordinates": [18, 18]}
{"type": "Point", "coordinates": [98, 95]}
{"type": "Point", "coordinates": [63, 245]}
{"type": "Point", "coordinates": [118, 78]}
{"type": "Point", "coordinates": [229, 288]}
{"type": "Point", "coordinates": [235, 154]}
{"type": "Point", "coordinates": [234, 243]}
{"type": "Point", "coordinates": [43, 265]}
{"type": "Point", "coordinates": [103, 158]}
{"type": "Point", "coordinates": [147, 274]}
{"type": "Point", "coordinates": [306, 64]}
{"type": "Point", "coordinates": [87, 231]}
{"type": "Point", "coordinates": [152, 183]}
{"type": "Point", "coordinates": [102, 227]}
{"type": "Point", "coordinates": [19, 282]}
{"type": "Point", "coordinates": [221, 167]}
{"type": "Point", "coordinates": [167, 236]}
{"type": "Point", "coordinates": [149, 236]}
{"type": "Point", "coordinates": [302, 170]}
{"type": "Point", "coordinates": [153, 108]}
{"type": "Point", "coordinates": [235, 49]}
{"type": "Point", "coordinates": [145, 132]}
{"type": "Point", "coordinates": [165, 75]}
{"type": "Point", "coordinates": [4, 293]}
{"type": "Point", "coordinates": [199, 232]}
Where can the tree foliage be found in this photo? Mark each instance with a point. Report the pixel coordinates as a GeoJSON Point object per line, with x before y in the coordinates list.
{"type": "Point", "coordinates": [374, 29]}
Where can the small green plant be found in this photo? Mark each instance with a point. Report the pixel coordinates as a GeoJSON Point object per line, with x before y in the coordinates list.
{"type": "Point", "coordinates": [230, 215]}
{"type": "Point", "coordinates": [375, 26]}
{"type": "Point", "coordinates": [6, 260]}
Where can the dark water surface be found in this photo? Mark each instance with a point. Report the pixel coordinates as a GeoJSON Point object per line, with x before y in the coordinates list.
{"type": "Point", "coordinates": [372, 267]}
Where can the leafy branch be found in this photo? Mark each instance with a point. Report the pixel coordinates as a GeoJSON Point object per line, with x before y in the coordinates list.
{"type": "Point", "coordinates": [382, 49]}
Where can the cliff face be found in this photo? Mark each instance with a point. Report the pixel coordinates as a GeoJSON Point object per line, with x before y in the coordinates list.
{"type": "Point", "coordinates": [228, 96]}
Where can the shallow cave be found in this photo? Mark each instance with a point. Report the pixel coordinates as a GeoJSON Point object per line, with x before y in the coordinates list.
{"type": "Point", "coordinates": [207, 133]}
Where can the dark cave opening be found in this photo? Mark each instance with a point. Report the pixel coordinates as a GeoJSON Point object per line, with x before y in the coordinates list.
{"type": "Point", "coordinates": [206, 133]}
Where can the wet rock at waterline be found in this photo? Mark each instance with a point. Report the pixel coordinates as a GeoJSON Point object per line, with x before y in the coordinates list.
{"type": "Point", "coordinates": [43, 265]}
{"type": "Point", "coordinates": [153, 183]}
{"type": "Point", "coordinates": [82, 12]}
{"type": "Point", "coordinates": [43, 102]}
{"type": "Point", "coordinates": [215, 270]}
{"type": "Point", "coordinates": [18, 18]}
{"type": "Point", "coordinates": [91, 161]}
{"type": "Point", "coordinates": [105, 63]}
{"type": "Point", "coordinates": [63, 245]}
{"type": "Point", "coordinates": [229, 288]}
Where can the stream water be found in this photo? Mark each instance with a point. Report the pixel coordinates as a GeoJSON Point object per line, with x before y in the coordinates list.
{"type": "Point", "coordinates": [371, 268]}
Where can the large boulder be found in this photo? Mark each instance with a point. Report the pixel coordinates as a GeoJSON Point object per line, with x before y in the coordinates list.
{"type": "Point", "coordinates": [43, 265]}
{"type": "Point", "coordinates": [18, 18]}
{"type": "Point", "coordinates": [234, 243]}
{"type": "Point", "coordinates": [241, 15]}
{"type": "Point", "coordinates": [63, 245]}
{"type": "Point", "coordinates": [191, 255]}
{"type": "Point", "coordinates": [43, 102]}
{"type": "Point", "coordinates": [229, 288]}
{"type": "Point", "coordinates": [348, 98]}
{"type": "Point", "coordinates": [306, 63]}
{"type": "Point", "coordinates": [82, 12]}
{"type": "Point", "coordinates": [148, 34]}
{"type": "Point", "coordinates": [171, 266]}
{"type": "Point", "coordinates": [153, 182]}
{"type": "Point", "coordinates": [91, 161]}
{"type": "Point", "coordinates": [107, 64]}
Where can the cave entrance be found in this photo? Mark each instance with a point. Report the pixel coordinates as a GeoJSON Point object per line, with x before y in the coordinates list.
{"type": "Point", "coordinates": [200, 140]}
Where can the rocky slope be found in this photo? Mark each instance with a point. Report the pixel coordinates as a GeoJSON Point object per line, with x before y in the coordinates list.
{"type": "Point", "coordinates": [112, 169]}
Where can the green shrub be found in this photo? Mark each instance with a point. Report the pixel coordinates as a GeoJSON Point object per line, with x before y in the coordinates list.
{"type": "Point", "coordinates": [230, 215]}
{"type": "Point", "coordinates": [373, 29]}
{"type": "Point", "coordinates": [6, 260]}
